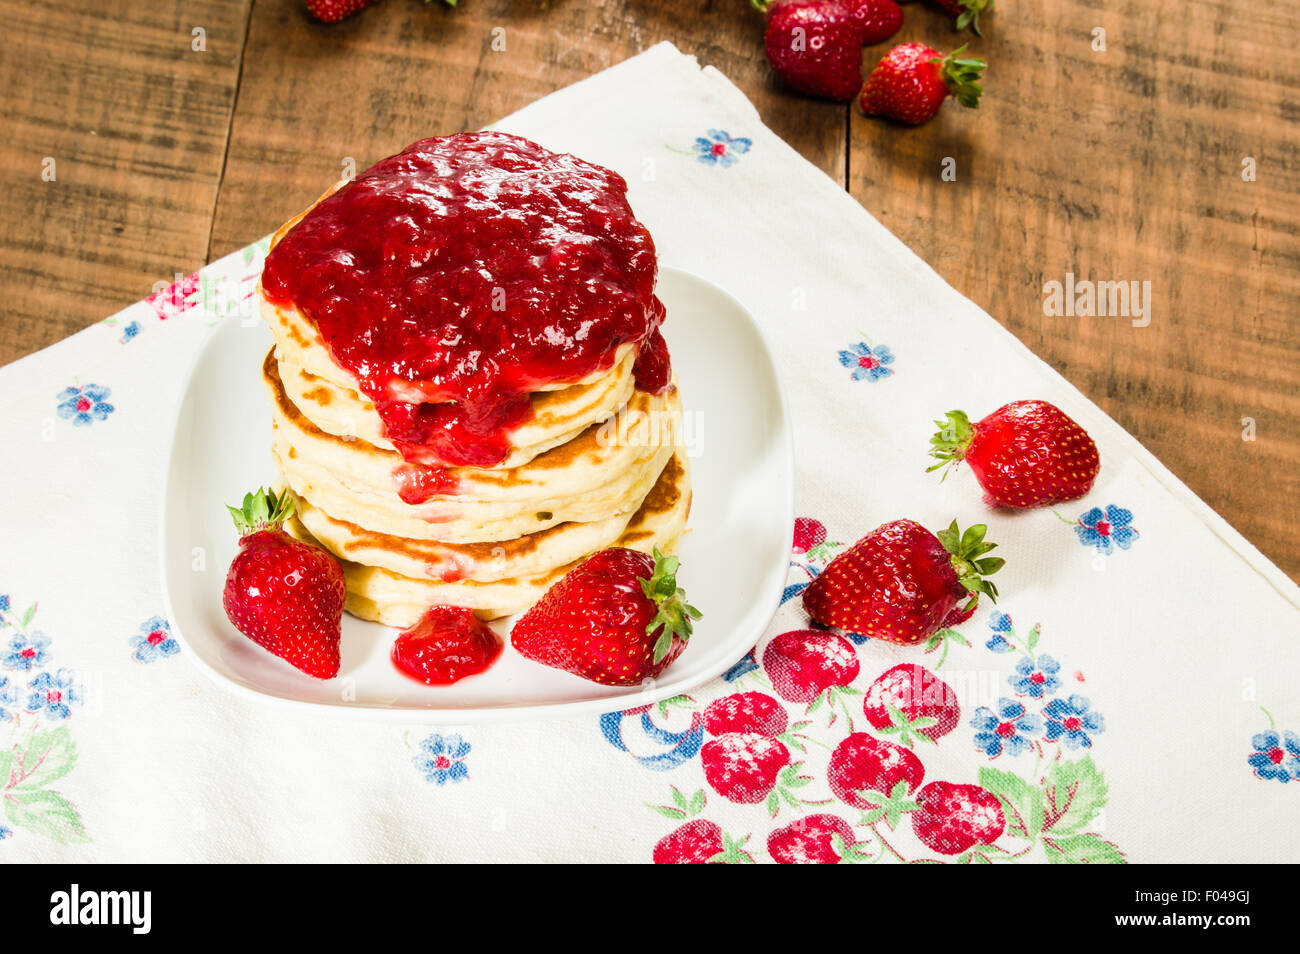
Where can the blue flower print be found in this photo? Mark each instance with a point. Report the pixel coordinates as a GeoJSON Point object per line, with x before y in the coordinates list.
{"type": "Point", "coordinates": [1276, 755]}
{"type": "Point", "coordinates": [154, 641]}
{"type": "Point", "coordinates": [26, 652]}
{"type": "Point", "coordinates": [84, 405]}
{"type": "Point", "coordinates": [1106, 530]}
{"type": "Point", "coordinates": [8, 699]}
{"type": "Point", "coordinates": [716, 148]}
{"type": "Point", "coordinates": [130, 331]}
{"type": "Point", "coordinates": [442, 758]}
{"type": "Point", "coordinates": [4, 602]}
{"type": "Point", "coordinates": [5, 832]}
{"type": "Point", "coordinates": [1071, 720]}
{"type": "Point", "coordinates": [1010, 728]}
{"type": "Point", "coordinates": [1036, 677]}
{"type": "Point", "coordinates": [54, 693]}
{"type": "Point", "coordinates": [999, 625]}
{"type": "Point", "coordinates": [869, 362]}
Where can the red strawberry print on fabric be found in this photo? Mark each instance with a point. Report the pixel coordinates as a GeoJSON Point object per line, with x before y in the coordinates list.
{"type": "Point", "coordinates": [862, 764]}
{"type": "Point", "coordinates": [746, 712]}
{"type": "Point", "coordinates": [954, 818]}
{"type": "Point", "coordinates": [813, 840]}
{"type": "Point", "coordinates": [912, 704]}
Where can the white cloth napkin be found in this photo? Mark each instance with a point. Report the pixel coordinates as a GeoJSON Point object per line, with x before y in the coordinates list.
{"type": "Point", "coordinates": [1174, 655]}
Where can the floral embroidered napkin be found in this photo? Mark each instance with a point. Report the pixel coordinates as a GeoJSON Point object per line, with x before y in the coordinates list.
{"type": "Point", "coordinates": [1131, 696]}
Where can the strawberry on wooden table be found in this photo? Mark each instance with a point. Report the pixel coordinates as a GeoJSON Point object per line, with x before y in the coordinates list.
{"type": "Point", "coordinates": [617, 618]}
{"type": "Point", "coordinates": [902, 583]}
{"type": "Point", "coordinates": [966, 13]}
{"type": "Point", "coordinates": [285, 595]}
{"type": "Point", "coordinates": [1024, 454]}
{"type": "Point", "coordinates": [815, 46]}
{"type": "Point", "coordinates": [877, 19]}
{"type": "Point", "coordinates": [913, 80]}
{"type": "Point", "coordinates": [332, 11]}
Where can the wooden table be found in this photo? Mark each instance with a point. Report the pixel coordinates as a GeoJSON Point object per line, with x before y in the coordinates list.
{"type": "Point", "coordinates": [1117, 165]}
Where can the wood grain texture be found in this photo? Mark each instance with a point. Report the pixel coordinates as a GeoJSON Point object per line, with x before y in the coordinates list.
{"type": "Point", "coordinates": [313, 95]}
{"type": "Point", "coordinates": [1126, 165]}
{"type": "Point", "coordinates": [136, 123]}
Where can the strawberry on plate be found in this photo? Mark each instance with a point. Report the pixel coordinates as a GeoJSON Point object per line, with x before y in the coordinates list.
{"type": "Point", "coordinates": [815, 46]}
{"type": "Point", "coordinates": [1024, 454]}
{"type": "Point", "coordinates": [913, 80]}
{"type": "Point", "coordinates": [901, 582]}
{"type": "Point", "coordinates": [283, 594]}
{"type": "Point", "coordinates": [618, 618]}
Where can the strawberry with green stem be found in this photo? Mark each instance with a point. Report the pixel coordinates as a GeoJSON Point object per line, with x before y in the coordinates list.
{"type": "Point", "coordinates": [902, 583]}
{"type": "Point", "coordinates": [965, 13]}
{"type": "Point", "coordinates": [912, 80]}
{"type": "Point", "coordinates": [1025, 454]}
{"type": "Point", "coordinates": [618, 619]}
{"type": "Point", "coordinates": [285, 595]}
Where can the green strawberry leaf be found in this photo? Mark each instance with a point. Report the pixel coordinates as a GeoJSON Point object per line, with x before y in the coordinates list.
{"type": "Point", "coordinates": [1032, 639]}
{"type": "Point", "coordinates": [697, 803]}
{"type": "Point", "coordinates": [1075, 792]}
{"type": "Point", "coordinates": [1086, 849]}
{"type": "Point", "coordinates": [48, 755]}
{"type": "Point", "coordinates": [45, 813]}
{"type": "Point", "coordinates": [1022, 803]}
{"type": "Point", "coordinates": [668, 811]}
{"type": "Point", "coordinates": [679, 799]}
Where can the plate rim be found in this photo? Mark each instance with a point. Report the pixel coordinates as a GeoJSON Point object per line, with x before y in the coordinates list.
{"type": "Point", "coordinates": [432, 715]}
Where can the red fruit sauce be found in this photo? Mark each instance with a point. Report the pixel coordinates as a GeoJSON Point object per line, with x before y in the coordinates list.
{"type": "Point", "coordinates": [446, 645]}
{"type": "Point", "coordinates": [465, 272]}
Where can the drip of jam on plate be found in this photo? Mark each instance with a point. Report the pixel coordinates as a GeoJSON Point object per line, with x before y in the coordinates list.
{"type": "Point", "coordinates": [460, 275]}
{"type": "Point", "coordinates": [447, 644]}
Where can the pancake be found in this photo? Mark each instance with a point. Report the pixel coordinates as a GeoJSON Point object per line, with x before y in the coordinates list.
{"type": "Point", "coordinates": [558, 416]}
{"type": "Point", "coordinates": [604, 471]}
{"type": "Point", "coordinates": [394, 599]}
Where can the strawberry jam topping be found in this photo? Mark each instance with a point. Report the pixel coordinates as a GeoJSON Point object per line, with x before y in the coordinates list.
{"type": "Point", "coordinates": [458, 276]}
{"type": "Point", "coordinates": [416, 483]}
{"type": "Point", "coordinates": [446, 645]}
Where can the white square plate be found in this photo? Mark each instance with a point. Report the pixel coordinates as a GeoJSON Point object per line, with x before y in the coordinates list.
{"type": "Point", "coordinates": [734, 557]}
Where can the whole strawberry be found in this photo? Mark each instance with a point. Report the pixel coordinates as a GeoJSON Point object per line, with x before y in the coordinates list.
{"type": "Point", "coordinates": [815, 46]}
{"type": "Point", "coordinates": [912, 704]}
{"type": "Point", "coordinates": [901, 582]}
{"type": "Point", "coordinates": [1024, 454]}
{"type": "Point", "coordinates": [332, 11]}
{"type": "Point", "coordinates": [965, 12]}
{"type": "Point", "coordinates": [617, 618]}
{"type": "Point", "coordinates": [913, 80]}
{"type": "Point", "coordinates": [285, 595]}
{"type": "Point", "coordinates": [954, 818]}
{"type": "Point", "coordinates": [877, 19]}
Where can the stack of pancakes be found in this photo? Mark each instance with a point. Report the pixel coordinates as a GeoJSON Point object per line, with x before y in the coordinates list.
{"type": "Point", "coordinates": [599, 464]}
